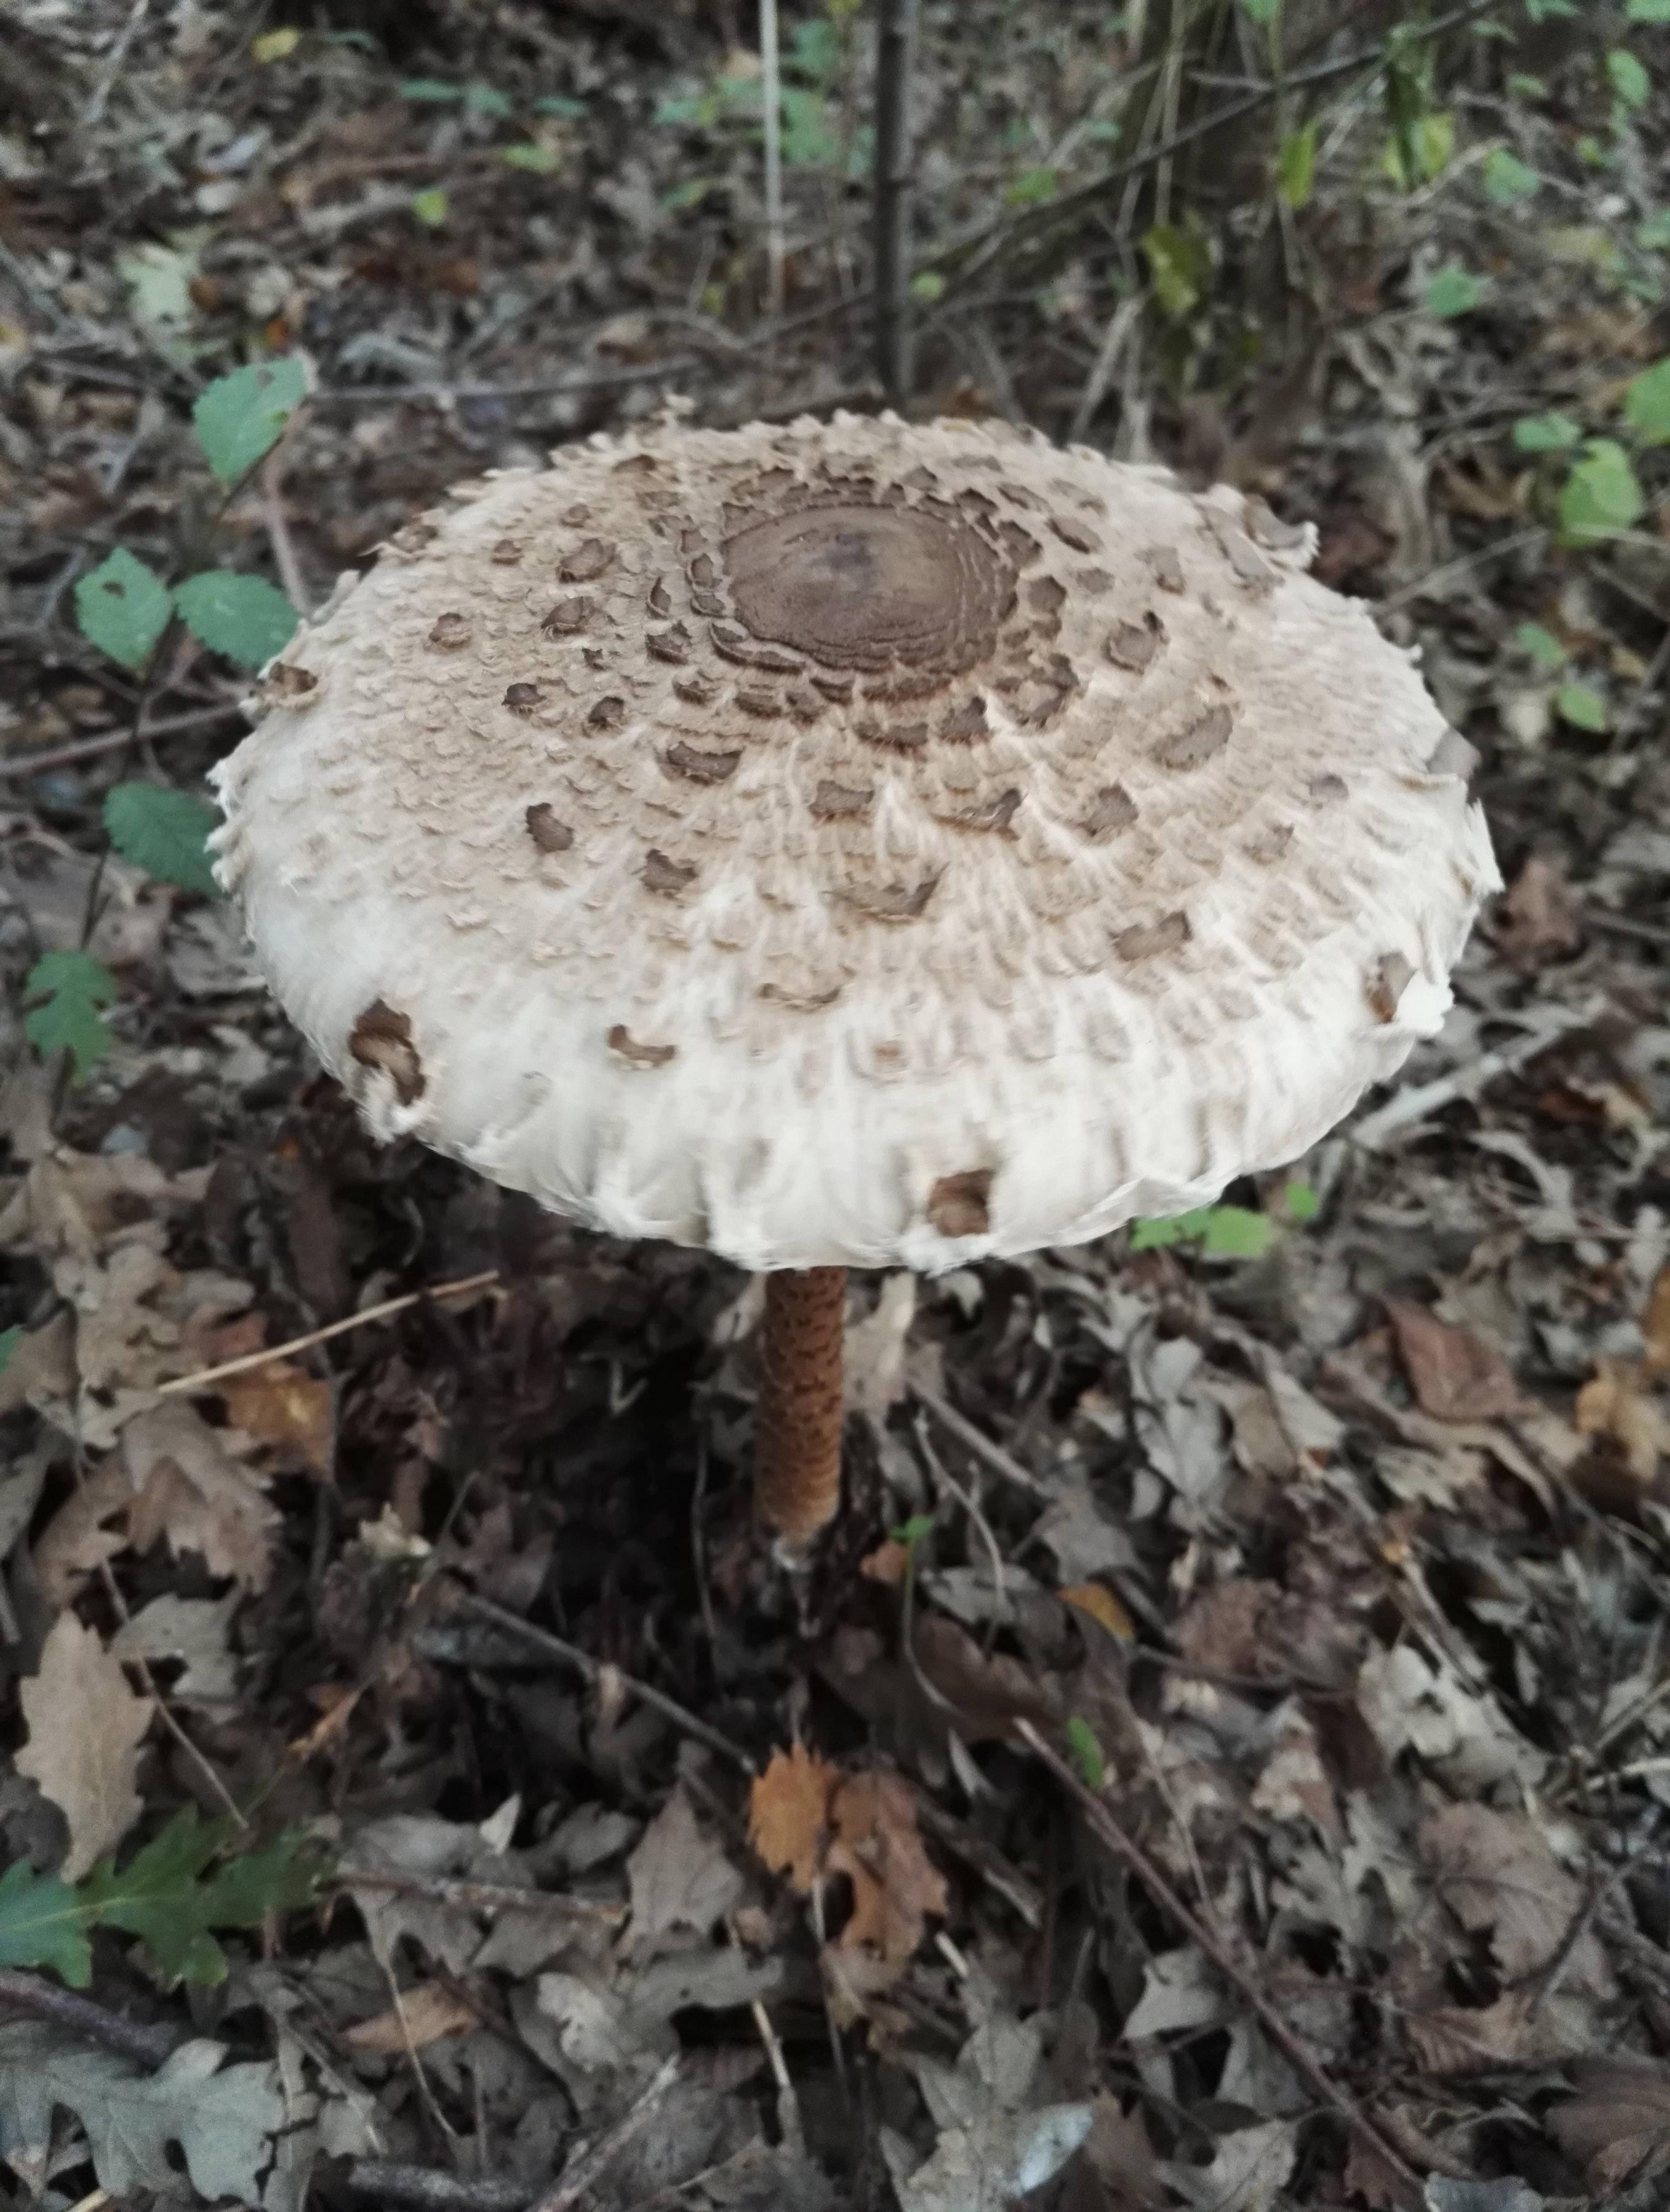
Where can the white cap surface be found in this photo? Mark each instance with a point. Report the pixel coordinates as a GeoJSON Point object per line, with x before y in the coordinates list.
{"type": "Point", "coordinates": [853, 844]}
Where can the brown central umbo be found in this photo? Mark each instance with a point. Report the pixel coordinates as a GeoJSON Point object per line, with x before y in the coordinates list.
{"type": "Point", "coordinates": [857, 585]}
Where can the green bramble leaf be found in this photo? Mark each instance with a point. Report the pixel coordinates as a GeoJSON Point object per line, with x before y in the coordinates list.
{"type": "Point", "coordinates": [1545, 433]}
{"type": "Point", "coordinates": [1628, 79]}
{"type": "Point", "coordinates": [244, 617]}
{"type": "Point", "coordinates": [1506, 177]}
{"type": "Point", "coordinates": [1647, 405]}
{"type": "Point", "coordinates": [1582, 706]}
{"type": "Point", "coordinates": [1086, 1752]}
{"type": "Point", "coordinates": [165, 832]}
{"type": "Point", "coordinates": [62, 993]}
{"type": "Point", "coordinates": [1602, 495]}
{"type": "Point", "coordinates": [1453, 291]}
{"type": "Point", "coordinates": [1295, 165]}
{"type": "Point", "coordinates": [1541, 646]}
{"type": "Point", "coordinates": [43, 1923]}
{"type": "Point", "coordinates": [122, 607]}
{"type": "Point", "coordinates": [239, 417]}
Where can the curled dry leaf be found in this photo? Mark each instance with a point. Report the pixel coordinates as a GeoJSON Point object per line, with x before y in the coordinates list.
{"type": "Point", "coordinates": [85, 1727]}
{"type": "Point", "coordinates": [1456, 1374]}
{"type": "Point", "coordinates": [1619, 2120]}
{"type": "Point", "coordinates": [420, 2017]}
{"type": "Point", "coordinates": [1618, 1403]}
{"type": "Point", "coordinates": [788, 1813]}
{"type": "Point", "coordinates": [285, 1410]}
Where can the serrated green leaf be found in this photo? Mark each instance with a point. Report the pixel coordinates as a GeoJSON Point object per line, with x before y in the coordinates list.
{"type": "Point", "coordinates": [1541, 645]}
{"type": "Point", "coordinates": [10, 1340]}
{"type": "Point", "coordinates": [1300, 1201]}
{"type": "Point", "coordinates": [1506, 177]}
{"type": "Point", "coordinates": [1085, 1753]}
{"type": "Point", "coordinates": [1239, 1233]}
{"type": "Point", "coordinates": [43, 1924]}
{"type": "Point", "coordinates": [1602, 495]}
{"type": "Point", "coordinates": [244, 617]}
{"type": "Point", "coordinates": [1580, 705]}
{"type": "Point", "coordinates": [122, 608]}
{"type": "Point", "coordinates": [430, 206]}
{"type": "Point", "coordinates": [62, 993]}
{"type": "Point", "coordinates": [1295, 165]}
{"type": "Point", "coordinates": [1627, 78]}
{"type": "Point", "coordinates": [541, 161]}
{"type": "Point", "coordinates": [238, 418]}
{"type": "Point", "coordinates": [172, 1895]}
{"type": "Point", "coordinates": [1452, 291]}
{"type": "Point", "coordinates": [165, 832]}
{"type": "Point", "coordinates": [1647, 405]}
{"type": "Point", "coordinates": [1545, 433]}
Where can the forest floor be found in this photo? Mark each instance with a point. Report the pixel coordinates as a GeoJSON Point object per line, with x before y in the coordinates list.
{"type": "Point", "coordinates": [1224, 1757]}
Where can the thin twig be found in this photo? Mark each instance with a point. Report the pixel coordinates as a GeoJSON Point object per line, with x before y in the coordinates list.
{"type": "Point", "coordinates": [1297, 2053]}
{"type": "Point", "coordinates": [895, 45]}
{"type": "Point", "coordinates": [79, 2016]}
{"type": "Point", "coordinates": [771, 94]}
{"type": "Point", "coordinates": [278, 533]}
{"type": "Point", "coordinates": [549, 388]}
{"type": "Point", "coordinates": [205, 1377]}
{"type": "Point", "coordinates": [432, 2189]}
{"type": "Point", "coordinates": [1000, 1461]}
{"type": "Point", "coordinates": [109, 741]}
{"type": "Point", "coordinates": [477, 1896]}
{"type": "Point", "coordinates": [582, 2173]}
{"type": "Point", "coordinates": [593, 1670]}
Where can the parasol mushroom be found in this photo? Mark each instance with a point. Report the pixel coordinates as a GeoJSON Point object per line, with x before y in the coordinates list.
{"type": "Point", "coordinates": [851, 844]}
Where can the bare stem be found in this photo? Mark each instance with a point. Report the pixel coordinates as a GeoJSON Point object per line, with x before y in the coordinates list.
{"type": "Point", "coordinates": [797, 1424]}
{"type": "Point", "coordinates": [896, 44]}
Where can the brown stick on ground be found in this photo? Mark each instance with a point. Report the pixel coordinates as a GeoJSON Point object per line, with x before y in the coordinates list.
{"type": "Point", "coordinates": [797, 1425]}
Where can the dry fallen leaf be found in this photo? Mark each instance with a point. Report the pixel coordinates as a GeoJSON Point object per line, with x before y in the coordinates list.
{"type": "Point", "coordinates": [1619, 2120]}
{"type": "Point", "coordinates": [191, 1489]}
{"type": "Point", "coordinates": [1496, 1873]}
{"type": "Point", "coordinates": [788, 1814]}
{"type": "Point", "coordinates": [1456, 1374]}
{"type": "Point", "coordinates": [286, 1410]}
{"type": "Point", "coordinates": [1099, 1601]}
{"type": "Point", "coordinates": [85, 1727]}
{"type": "Point", "coordinates": [894, 1884]}
{"type": "Point", "coordinates": [1655, 1324]}
{"type": "Point", "coordinates": [422, 2016]}
{"type": "Point", "coordinates": [1536, 917]}
{"type": "Point", "coordinates": [1613, 1404]}
{"type": "Point", "coordinates": [679, 1877]}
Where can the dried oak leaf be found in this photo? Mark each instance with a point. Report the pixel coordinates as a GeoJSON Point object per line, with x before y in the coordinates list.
{"type": "Point", "coordinates": [191, 1489]}
{"type": "Point", "coordinates": [1496, 1873]}
{"type": "Point", "coordinates": [1619, 2120]}
{"type": "Point", "coordinates": [1613, 1404]}
{"type": "Point", "coordinates": [894, 1884]}
{"type": "Point", "coordinates": [85, 1725]}
{"type": "Point", "coordinates": [788, 1814]}
{"type": "Point", "coordinates": [679, 1877]}
{"type": "Point", "coordinates": [1456, 1374]}
{"type": "Point", "coordinates": [421, 2016]}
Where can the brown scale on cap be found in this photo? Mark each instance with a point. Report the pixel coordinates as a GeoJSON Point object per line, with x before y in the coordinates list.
{"type": "Point", "coordinates": [381, 1040]}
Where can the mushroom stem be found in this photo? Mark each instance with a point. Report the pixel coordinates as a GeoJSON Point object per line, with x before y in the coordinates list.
{"type": "Point", "coordinates": [797, 1424]}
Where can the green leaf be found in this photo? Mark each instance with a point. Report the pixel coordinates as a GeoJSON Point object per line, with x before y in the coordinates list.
{"type": "Point", "coordinates": [1580, 705]}
{"type": "Point", "coordinates": [1627, 78]}
{"type": "Point", "coordinates": [42, 1924]}
{"type": "Point", "coordinates": [1082, 1746]}
{"type": "Point", "coordinates": [1545, 433]}
{"type": "Point", "coordinates": [1147, 1235]}
{"type": "Point", "coordinates": [1648, 11]}
{"type": "Point", "coordinates": [10, 1340]}
{"type": "Point", "coordinates": [1541, 645]}
{"type": "Point", "coordinates": [928, 285]}
{"type": "Point", "coordinates": [122, 607]}
{"type": "Point", "coordinates": [168, 1897]}
{"type": "Point", "coordinates": [542, 161]}
{"type": "Point", "coordinates": [1540, 11]}
{"type": "Point", "coordinates": [244, 617]}
{"type": "Point", "coordinates": [556, 103]}
{"type": "Point", "coordinates": [911, 1532]}
{"type": "Point", "coordinates": [1032, 186]}
{"type": "Point", "coordinates": [1601, 495]}
{"type": "Point", "coordinates": [160, 279]}
{"type": "Point", "coordinates": [1180, 263]}
{"type": "Point", "coordinates": [239, 417]}
{"type": "Point", "coordinates": [1421, 150]}
{"type": "Point", "coordinates": [429, 89]}
{"type": "Point", "coordinates": [1506, 177]}
{"type": "Point", "coordinates": [165, 832]}
{"type": "Point", "coordinates": [1295, 165]}
{"type": "Point", "coordinates": [1653, 235]}
{"type": "Point", "coordinates": [1300, 1201]}
{"type": "Point", "coordinates": [1262, 11]}
{"type": "Point", "coordinates": [1647, 405]}
{"type": "Point", "coordinates": [1239, 1233]}
{"type": "Point", "coordinates": [63, 991]}
{"type": "Point", "coordinates": [1452, 291]}
{"type": "Point", "coordinates": [430, 206]}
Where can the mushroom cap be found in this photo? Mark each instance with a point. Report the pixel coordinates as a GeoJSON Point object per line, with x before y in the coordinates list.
{"type": "Point", "coordinates": [852, 842]}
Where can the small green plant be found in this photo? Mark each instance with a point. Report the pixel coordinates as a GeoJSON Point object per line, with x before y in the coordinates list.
{"type": "Point", "coordinates": [64, 994]}
{"type": "Point", "coordinates": [172, 1893]}
{"type": "Point", "coordinates": [1085, 1753]}
{"type": "Point", "coordinates": [1234, 1232]}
